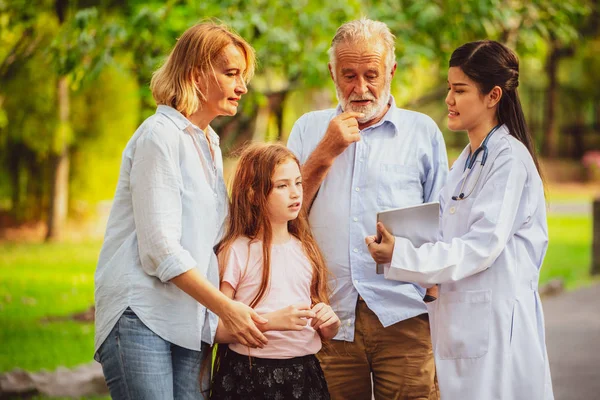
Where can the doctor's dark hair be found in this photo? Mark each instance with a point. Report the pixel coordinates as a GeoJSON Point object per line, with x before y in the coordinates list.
{"type": "Point", "coordinates": [489, 64]}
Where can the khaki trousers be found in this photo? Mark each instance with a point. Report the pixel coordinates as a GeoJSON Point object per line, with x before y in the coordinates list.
{"type": "Point", "coordinates": [400, 358]}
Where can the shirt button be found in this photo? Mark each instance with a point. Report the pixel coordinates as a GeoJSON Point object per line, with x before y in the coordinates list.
{"type": "Point", "coordinates": [357, 189]}
{"type": "Point", "coordinates": [355, 250]}
{"type": "Point", "coordinates": [356, 281]}
{"type": "Point", "coordinates": [354, 219]}
{"type": "Point", "coordinates": [349, 322]}
{"type": "Point", "coordinates": [361, 159]}
{"type": "Point", "coordinates": [452, 210]}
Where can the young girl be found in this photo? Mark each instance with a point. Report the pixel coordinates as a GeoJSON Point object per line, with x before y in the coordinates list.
{"type": "Point", "coordinates": [269, 260]}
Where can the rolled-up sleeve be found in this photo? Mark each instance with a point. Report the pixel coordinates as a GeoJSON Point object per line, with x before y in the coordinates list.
{"type": "Point", "coordinates": [155, 183]}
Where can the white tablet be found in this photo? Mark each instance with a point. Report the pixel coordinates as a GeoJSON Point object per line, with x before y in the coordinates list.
{"type": "Point", "coordinates": [420, 224]}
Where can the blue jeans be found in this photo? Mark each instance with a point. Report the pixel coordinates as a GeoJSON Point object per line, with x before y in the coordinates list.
{"type": "Point", "coordinates": [139, 364]}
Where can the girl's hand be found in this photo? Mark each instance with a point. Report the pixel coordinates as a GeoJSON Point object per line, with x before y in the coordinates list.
{"type": "Point", "coordinates": [241, 321]}
{"type": "Point", "coordinates": [326, 321]}
{"type": "Point", "coordinates": [290, 318]}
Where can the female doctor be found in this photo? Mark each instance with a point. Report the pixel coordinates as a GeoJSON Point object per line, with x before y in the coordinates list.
{"type": "Point", "coordinates": [487, 325]}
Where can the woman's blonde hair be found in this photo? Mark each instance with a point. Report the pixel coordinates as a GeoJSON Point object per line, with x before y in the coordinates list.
{"type": "Point", "coordinates": [192, 59]}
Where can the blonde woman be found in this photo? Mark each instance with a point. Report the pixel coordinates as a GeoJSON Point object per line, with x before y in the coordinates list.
{"type": "Point", "coordinates": [157, 274]}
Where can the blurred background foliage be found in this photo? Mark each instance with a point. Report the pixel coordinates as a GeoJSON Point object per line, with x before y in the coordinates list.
{"type": "Point", "coordinates": [74, 79]}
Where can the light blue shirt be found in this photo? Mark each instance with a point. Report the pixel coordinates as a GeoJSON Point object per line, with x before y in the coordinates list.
{"type": "Point", "coordinates": [168, 213]}
{"type": "Point", "coordinates": [400, 161]}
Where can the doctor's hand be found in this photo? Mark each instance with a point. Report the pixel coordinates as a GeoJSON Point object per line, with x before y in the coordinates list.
{"type": "Point", "coordinates": [381, 249]}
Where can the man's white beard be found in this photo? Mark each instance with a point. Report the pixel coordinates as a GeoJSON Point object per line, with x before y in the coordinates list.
{"type": "Point", "coordinates": [371, 110]}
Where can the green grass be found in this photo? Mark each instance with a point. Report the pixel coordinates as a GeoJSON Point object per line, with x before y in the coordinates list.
{"type": "Point", "coordinates": [39, 280]}
{"type": "Point", "coordinates": [569, 251]}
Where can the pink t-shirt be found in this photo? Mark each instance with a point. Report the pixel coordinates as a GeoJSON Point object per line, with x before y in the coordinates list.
{"type": "Point", "coordinates": [291, 276]}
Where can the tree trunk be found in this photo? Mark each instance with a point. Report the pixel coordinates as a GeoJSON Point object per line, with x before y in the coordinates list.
{"type": "Point", "coordinates": [35, 189]}
{"type": "Point", "coordinates": [261, 123]}
{"type": "Point", "coordinates": [276, 102]}
{"type": "Point", "coordinates": [550, 143]}
{"type": "Point", "coordinates": [59, 165]}
{"type": "Point", "coordinates": [596, 237]}
{"type": "Point", "coordinates": [578, 135]}
{"type": "Point", "coordinates": [14, 169]}
{"type": "Point", "coordinates": [596, 123]}
{"type": "Point", "coordinates": [273, 107]}
{"type": "Point", "coordinates": [551, 139]}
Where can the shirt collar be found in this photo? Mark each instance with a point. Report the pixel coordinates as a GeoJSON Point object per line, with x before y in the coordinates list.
{"type": "Point", "coordinates": [183, 123]}
{"type": "Point", "coordinates": [391, 116]}
{"type": "Point", "coordinates": [214, 138]}
{"type": "Point", "coordinates": [178, 119]}
{"type": "Point", "coordinates": [497, 136]}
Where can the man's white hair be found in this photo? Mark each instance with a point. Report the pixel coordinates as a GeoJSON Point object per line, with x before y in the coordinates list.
{"type": "Point", "coordinates": [364, 30]}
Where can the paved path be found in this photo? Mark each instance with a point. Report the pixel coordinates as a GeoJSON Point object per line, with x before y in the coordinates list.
{"type": "Point", "coordinates": [574, 208]}
{"type": "Point", "coordinates": [573, 340]}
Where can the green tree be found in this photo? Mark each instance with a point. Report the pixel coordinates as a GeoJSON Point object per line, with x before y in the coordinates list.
{"type": "Point", "coordinates": [69, 45]}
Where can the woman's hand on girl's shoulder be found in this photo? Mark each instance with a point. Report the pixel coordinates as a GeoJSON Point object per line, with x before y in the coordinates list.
{"type": "Point", "coordinates": [326, 321]}
{"type": "Point", "coordinates": [242, 321]}
{"type": "Point", "coordinates": [291, 318]}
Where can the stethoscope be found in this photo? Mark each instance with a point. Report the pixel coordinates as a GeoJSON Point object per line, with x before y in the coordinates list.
{"type": "Point", "coordinates": [470, 163]}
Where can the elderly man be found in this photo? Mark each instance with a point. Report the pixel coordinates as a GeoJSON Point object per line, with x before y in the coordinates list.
{"type": "Point", "coordinates": [364, 156]}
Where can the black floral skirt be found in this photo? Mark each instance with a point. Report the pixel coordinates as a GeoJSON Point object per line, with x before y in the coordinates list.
{"type": "Point", "coordinates": [241, 377]}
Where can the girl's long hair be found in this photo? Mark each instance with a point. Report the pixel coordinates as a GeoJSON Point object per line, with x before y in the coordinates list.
{"type": "Point", "coordinates": [490, 64]}
{"type": "Point", "coordinates": [248, 216]}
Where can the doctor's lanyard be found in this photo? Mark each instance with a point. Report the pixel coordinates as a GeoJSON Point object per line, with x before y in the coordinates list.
{"type": "Point", "coordinates": [470, 163]}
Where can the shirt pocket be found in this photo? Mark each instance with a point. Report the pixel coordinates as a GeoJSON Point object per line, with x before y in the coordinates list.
{"type": "Point", "coordinates": [463, 324]}
{"type": "Point", "coordinates": [398, 185]}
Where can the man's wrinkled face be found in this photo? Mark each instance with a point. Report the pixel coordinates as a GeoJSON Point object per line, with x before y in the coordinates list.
{"type": "Point", "coordinates": [361, 78]}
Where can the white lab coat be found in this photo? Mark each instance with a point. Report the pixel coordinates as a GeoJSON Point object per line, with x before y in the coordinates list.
{"type": "Point", "coordinates": [487, 325]}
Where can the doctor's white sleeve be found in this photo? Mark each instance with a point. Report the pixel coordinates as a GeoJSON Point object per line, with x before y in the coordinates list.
{"type": "Point", "coordinates": [495, 216]}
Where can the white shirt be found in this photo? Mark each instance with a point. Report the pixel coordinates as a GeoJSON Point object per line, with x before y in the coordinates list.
{"type": "Point", "coordinates": [167, 215]}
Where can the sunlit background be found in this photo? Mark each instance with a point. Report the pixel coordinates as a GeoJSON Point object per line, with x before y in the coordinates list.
{"type": "Point", "coordinates": [74, 81]}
